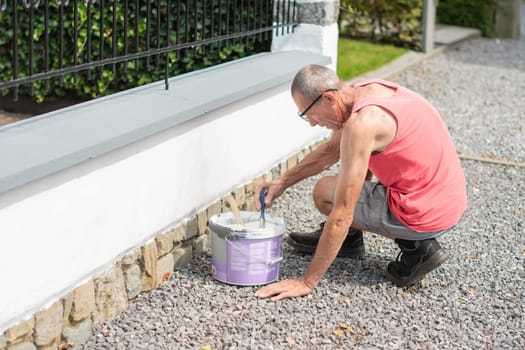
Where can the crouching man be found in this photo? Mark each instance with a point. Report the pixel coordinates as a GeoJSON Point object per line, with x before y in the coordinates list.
{"type": "Point", "coordinates": [396, 134]}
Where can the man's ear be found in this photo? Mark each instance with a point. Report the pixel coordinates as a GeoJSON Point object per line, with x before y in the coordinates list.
{"type": "Point", "coordinates": [330, 96]}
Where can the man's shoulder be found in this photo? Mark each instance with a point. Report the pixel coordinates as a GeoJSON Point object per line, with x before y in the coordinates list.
{"type": "Point", "coordinates": [363, 119]}
{"type": "Point", "coordinates": [376, 122]}
{"type": "Point", "coordinates": [370, 113]}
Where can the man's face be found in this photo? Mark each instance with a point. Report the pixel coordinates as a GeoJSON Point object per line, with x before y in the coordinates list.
{"type": "Point", "coordinates": [319, 111]}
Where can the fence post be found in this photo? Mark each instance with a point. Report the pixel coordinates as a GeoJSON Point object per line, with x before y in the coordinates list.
{"type": "Point", "coordinates": [317, 30]}
{"type": "Point", "coordinates": [507, 19]}
{"type": "Point", "coordinates": [429, 21]}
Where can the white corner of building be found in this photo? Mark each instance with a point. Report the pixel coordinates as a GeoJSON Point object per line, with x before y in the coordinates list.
{"type": "Point", "coordinates": [312, 38]}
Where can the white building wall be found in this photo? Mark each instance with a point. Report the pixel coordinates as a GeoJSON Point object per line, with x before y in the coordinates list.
{"type": "Point", "coordinates": [313, 38]}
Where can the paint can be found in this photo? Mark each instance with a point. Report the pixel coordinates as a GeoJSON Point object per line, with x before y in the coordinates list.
{"type": "Point", "coordinates": [246, 255]}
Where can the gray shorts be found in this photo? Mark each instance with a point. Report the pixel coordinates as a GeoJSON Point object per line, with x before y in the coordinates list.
{"type": "Point", "coordinates": [373, 214]}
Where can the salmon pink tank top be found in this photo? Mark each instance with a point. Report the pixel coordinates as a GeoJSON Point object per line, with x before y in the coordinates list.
{"type": "Point", "coordinates": [420, 168]}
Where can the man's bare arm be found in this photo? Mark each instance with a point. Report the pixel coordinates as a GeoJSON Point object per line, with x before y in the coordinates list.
{"type": "Point", "coordinates": [320, 159]}
{"type": "Point", "coordinates": [356, 146]}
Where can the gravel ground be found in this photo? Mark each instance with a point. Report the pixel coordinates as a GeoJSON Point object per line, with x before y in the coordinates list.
{"type": "Point", "coordinates": [474, 301]}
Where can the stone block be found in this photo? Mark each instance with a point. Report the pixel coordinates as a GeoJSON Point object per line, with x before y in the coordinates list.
{"type": "Point", "coordinates": [164, 244]}
{"type": "Point", "coordinates": [67, 303]}
{"type": "Point", "coordinates": [202, 221]}
{"type": "Point", "coordinates": [23, 346]}
{"type": "Point", "coordinates": [284, 167]}
{"type": "Point", "coordinates": [165, 266]}
{"type": "Point", "coordinates": [131, 258]}
{"type": "Point", "coordinates": [250, 189]}
{"type": "Point", "coordinates": [78, 334]}
{"type": "Point", "coordinates": [182, 255]}
{"type": "Point", "coordinates": [291, 162]}
{"type": "Point", "coordinates": [185, 231]}
{"type": "Point", "coordinates": [110, 295]}
{"type": "Point", "coordinates": [191, 228]}
{"type": "Point", "coordinates": [132, 281]}
{"type": "Point", "coordinates": [3, 342]}
{"type": "Point", "coordinates": [149, 266]}
{"type": "Point", "coordinates": [259, 181]}
{"type": "Point", "coordinates": [276, 172]}
{"type": "Point", "coordinates": [21, 330]}
{"type": "Point", "coordinates": [200, 245]}
{"type": "Point", "coordinates": [178, 234]}
{"type": "Point", "coordinates": [49, 324]}
{"type": "Point", "coordinates": [213, 209]}
{"type": "Point", "coordinates": [301, 155]}
{"type": "Point", "coordinates": [83, 302]}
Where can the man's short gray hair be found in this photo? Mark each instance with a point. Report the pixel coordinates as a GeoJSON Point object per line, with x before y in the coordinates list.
{"type": "Point", "coordinates": [313, 79]}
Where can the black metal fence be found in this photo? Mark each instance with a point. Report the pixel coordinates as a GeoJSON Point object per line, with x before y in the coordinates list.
{"type": "Point", "coordinates": [95, 47]}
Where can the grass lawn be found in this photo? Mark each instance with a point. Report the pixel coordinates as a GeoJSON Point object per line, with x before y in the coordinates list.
{"type": "Point", "coordinates": [356, 57]}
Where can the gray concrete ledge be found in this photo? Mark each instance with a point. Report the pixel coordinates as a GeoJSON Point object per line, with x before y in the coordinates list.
{"type": "Point", "coordinates": [448, 35]}
{"type": "Point", "coordinates": [51, 142]}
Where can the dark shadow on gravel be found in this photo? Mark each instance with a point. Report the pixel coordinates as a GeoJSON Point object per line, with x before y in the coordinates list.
{"type": "Point", "coordinates": [366, 270]}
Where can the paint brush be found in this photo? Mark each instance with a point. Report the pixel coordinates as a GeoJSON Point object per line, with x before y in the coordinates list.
{"type": "Point", "coordinates": [262, 220]}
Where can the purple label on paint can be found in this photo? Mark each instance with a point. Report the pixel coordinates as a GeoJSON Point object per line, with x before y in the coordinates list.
{"type": "Point", "coordinates": [253, 261]}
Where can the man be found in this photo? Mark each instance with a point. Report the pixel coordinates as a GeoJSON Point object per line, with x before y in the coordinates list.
{"type": "Point", "coordinates": [397, 135]}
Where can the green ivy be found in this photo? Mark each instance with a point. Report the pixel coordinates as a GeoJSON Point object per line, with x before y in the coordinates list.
{"type": "Point", "coordinates": [395, 22]}
{"type": "Point", "coordinates": [90, 40]}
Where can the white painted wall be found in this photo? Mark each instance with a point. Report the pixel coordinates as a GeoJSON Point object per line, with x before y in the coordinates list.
{"type": "Point", "coordinates": [94, 213]}
{"type": "Point", "coordinates": [312, 38]}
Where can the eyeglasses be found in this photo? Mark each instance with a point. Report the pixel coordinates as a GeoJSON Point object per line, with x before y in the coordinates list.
{"type": "Point", "coordinates": [303, 114]}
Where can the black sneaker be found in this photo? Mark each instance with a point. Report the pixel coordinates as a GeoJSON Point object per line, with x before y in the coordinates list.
{"type": "Point", "coordinates": [414, 261]}
{"type": "Point", "coordinates": [306, 242]}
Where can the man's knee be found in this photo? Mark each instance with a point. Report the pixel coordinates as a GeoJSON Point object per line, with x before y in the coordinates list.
{"type": "Point", "coordinates": [324, 187]}
{"type": "Point", "coordinates": [323, 193]}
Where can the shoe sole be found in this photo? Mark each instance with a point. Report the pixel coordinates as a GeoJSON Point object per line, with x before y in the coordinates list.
{"type": "Point", "coordinates": [304, 248]}
{"type": "Point", "coordinates": [436, 260]}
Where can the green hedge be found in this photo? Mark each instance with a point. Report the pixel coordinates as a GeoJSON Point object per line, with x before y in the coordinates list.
{"type": "Point", "coordinates": [113, 78]}
{"type": "Point", "coordinates": [468, 13]}
{"type": "Point", "coordinates": [395, 22]}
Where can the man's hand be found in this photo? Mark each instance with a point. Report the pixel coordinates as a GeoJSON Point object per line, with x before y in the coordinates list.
{"type": "Point", "coordinates": [284, 289]}
{"type": "Point", "coordinates": [273, 190]}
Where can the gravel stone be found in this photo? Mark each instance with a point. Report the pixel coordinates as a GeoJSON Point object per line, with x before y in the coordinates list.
{"type": "Point", "coordinates": [476, 300]}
